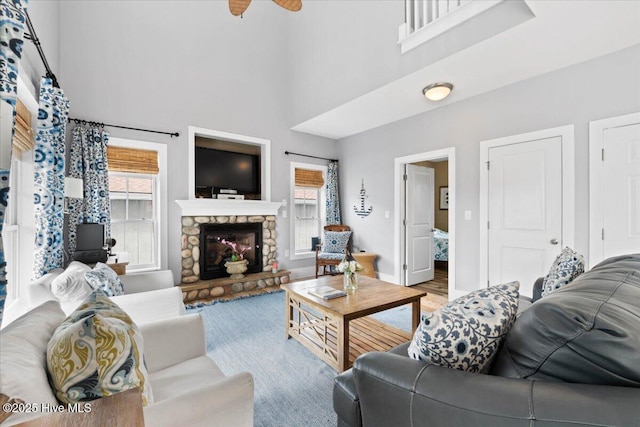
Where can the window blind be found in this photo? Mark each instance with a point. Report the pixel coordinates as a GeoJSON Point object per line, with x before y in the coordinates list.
{"type": "Point", "coordinates": [308, 178]}
{"type": "Point", "coordinates": [133, 160]}
{"type": "Point", "coordinates": [23, 136]}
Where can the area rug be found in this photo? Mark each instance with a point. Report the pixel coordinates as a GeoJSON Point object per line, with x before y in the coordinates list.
{"type": "Point", "coordinates": [292, 386]}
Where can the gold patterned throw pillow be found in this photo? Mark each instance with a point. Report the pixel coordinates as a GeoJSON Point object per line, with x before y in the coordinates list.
{"type": "Point", "coordinates": [97, 352]}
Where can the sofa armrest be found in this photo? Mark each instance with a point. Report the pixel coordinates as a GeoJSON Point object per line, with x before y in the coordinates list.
{"type": "Point", "coordinates": [39, 291]}
{"type": "Point", "coordinates": [172, 341]}
{"type": "Point", "coordinates": [537, 289]}
{"type": "Point", "coordinates": [228, 402]}
{"type": "Point", "coordinates": [438, 396]}
{"type": "Point", "coordinates": [149, 281]}
{"type": "Point", "coordinates": [152, 306]}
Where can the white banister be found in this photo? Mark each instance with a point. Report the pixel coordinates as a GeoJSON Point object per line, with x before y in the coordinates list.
{"type": "Point", "coordinates": [421, 17]}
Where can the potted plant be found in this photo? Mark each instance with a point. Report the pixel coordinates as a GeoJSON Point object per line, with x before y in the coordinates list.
{"type": "Point", "coordinates": [236, 264]}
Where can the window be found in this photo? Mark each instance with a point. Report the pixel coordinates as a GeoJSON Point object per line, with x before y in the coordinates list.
{"type": "Point", "coordinates": [307, 208]}
{"type": "Point", "coordinates": [18, 233]}
{"type": "Point", "coordinates": [137, 190]}
{"type": "Point", "coordinates": [133, 218]}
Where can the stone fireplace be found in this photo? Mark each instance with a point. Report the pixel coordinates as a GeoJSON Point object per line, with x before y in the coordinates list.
{"type": "Point", "coordinates": [206, 220]}
{"type": "Point", "coordinates": [203, 258]}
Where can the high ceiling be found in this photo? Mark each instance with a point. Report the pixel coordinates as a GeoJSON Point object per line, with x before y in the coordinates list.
{"type": "Point", "coordinates": [561, 34]}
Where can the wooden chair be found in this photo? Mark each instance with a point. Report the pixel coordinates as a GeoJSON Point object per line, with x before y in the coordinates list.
{"type": "Point", "coordinates": [324, 259]}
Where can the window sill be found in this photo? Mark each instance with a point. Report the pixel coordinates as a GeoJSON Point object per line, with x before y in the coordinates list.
{"type": "Point", "coordinates": [134, 270]}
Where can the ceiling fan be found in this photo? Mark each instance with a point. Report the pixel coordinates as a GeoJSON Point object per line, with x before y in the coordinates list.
{"type": "Point", "coordinates": [238, 7]}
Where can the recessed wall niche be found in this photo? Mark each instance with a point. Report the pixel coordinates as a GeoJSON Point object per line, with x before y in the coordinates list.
{"type": "Point", "coordinates": [228, 166]}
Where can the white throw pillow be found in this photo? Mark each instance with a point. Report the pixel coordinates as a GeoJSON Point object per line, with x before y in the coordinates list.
{"type": "Point", "coordinates": [23, 371]}
{"type": "Point", "coordinates": [71, 284]}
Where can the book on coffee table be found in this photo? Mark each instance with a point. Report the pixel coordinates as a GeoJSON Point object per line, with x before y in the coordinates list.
{"type": "Point", "coordinates": [326, 292]}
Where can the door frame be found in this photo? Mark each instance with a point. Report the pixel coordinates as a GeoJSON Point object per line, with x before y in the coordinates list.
{"type": "Point", "coordinates": [596, 180]}
{"type": "Point", "coordinates": [448, 154]}
{"type": "Point", "coordinates": [566, 135]}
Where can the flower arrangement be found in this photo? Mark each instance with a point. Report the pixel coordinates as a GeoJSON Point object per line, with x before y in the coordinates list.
{"type": "Point", "coordinates": [349, 267]}
{"type": "Point", "coordinates": [237, 250]}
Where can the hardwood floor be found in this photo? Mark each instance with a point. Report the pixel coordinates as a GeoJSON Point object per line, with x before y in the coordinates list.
{"type": "Point", "coordinates": [437, 290]}
{"type": "Point", "coordinates": [385, 336]}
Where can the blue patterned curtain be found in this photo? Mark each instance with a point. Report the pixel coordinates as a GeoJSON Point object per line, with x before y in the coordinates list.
{"type": "Point", "coordinates": [12, 22]}
{"type": "Point", "coordinates": [333, 198]}
{"type": "Point", "coordinates": [89, 163]}
{"type": "Point", "coordinates": [49, 178]}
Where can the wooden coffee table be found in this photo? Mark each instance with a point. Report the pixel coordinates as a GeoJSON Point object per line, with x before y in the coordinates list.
{"type": "Point", "coordinates": [322, 326]}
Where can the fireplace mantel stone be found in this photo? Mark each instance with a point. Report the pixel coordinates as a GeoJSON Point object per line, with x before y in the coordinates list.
{"type": "Point", "coordinates": [217, 207]}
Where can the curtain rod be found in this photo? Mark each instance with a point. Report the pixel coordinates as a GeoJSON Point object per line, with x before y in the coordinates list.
{"type": "Point", "coordinates": [313, 157]}
{"type": "Point", "coordinates": [31, 35]}
{"type": "Point", "coordinates": [100, 124]}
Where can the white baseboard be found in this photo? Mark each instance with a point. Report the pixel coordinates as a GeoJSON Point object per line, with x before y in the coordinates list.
{"type": "Point", "coordinates": [454, 293]}
{"type": "Point", "coordinates": [302, 273]}
{"type": "Point", "coordinates": [387, 278]}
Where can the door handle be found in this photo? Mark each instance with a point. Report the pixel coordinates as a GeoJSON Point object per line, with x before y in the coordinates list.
{"type": "Point", "coordinates": [554, 241]}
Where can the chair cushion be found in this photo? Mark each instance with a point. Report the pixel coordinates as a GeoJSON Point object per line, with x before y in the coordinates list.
{"type": "Point", "coordinates": [104, 278]}
{"type": "Point", "coordinates": [466, 333]}
{"type": "Point", "coordinates": [585, 332]}
{"type": "Point", "coordinates": [71, 285]}
{"type": "Point", "coordinates": [96, 352]}
{"type": "Point", "coordinates": [567, 266]}
{"type": "Point", "coordinates": [184, 377]}
{"type": "Point", "coordinates": [331, 255]}
{"type": "Point", "coordinates": [23, 352]}
{"type": "Point", "coordinates": [335, 241]}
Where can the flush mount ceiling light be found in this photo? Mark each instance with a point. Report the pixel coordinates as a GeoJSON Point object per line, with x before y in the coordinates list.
{"type": "Point", "coordinates": [437, 91]}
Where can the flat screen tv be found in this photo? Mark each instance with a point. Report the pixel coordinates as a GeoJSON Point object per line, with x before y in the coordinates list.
{"type": "Point", "coordinates": [227, 170]}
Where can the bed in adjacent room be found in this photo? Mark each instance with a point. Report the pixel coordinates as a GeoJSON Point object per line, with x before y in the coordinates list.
{"type": "Point", "coordinates": [441, 245]}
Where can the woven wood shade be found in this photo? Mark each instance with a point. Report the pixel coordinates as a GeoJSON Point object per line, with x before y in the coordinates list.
{"type": "Point", "coordinates": [133, 160]}
{"type": "Point", "coordinates": [309, 178]}
{"type": "Point", "coordinates": [23, 136]}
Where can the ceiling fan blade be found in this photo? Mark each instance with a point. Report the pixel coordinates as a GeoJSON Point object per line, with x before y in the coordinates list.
{"type": "Point", "coordinates": [237, 7]}
{"type": "Point", "coordinates": [291, 5]}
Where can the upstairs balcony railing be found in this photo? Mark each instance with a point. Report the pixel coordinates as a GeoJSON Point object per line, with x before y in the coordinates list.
{"type": "Point", "coordinates": [426, 19]}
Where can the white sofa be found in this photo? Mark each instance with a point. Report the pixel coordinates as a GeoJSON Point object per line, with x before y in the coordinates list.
{"type": "Point", "coordinates": [148, 296]}
{"type": "Point", "coordinates": [188, 387]}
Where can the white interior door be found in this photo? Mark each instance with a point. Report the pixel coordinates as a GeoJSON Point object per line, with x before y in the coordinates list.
{"type": "Point", "coordinates": [621, 195]}
{"type": "Point", "coordinates": [524, 210]}
{"type": "Point", "coordinates": [419, 224]}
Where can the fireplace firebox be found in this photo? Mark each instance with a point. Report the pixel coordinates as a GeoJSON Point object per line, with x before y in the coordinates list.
{"type": "Point", "coordinates": [214, 253]}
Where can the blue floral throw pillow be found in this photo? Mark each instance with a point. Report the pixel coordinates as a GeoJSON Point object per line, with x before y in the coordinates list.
{"type": "Point", "coordinates": [567, 266]}
{"type": "Point", "coordinates": [466, 333]}
{"type": "Point", "coordinates": [104, 278]}
{"type": "Point", "coordinates": [335, 241]}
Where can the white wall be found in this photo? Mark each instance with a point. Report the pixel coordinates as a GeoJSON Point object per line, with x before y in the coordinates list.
{"type": "Point", "coordinates": [345, 49]}
{"type": "Point", "coordinates": [45, 17]}
{"type": "Point", "coordinates": [170, 64]}
{"type": "Point", "coordinates": [603, 87]}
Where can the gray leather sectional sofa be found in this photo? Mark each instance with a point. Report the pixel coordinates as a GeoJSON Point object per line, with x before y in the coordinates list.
{"type": "Point", "coordinates": [572, 358]}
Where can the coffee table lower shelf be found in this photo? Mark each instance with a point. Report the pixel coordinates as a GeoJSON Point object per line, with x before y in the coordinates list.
{"type": "Point", "coordinates": [321, 335]}
{"type": "Point", "coordinates": [368, 334]}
